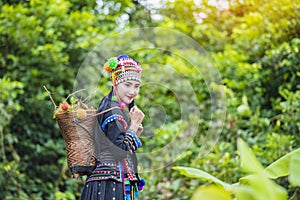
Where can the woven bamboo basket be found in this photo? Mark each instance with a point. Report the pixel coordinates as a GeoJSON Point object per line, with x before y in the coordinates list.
{"type": "Point", "coordinates": [78, 135]}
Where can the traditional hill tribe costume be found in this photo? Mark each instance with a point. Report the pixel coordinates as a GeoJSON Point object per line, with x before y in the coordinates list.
{"type": "Point", "coordinates": [115, 176]}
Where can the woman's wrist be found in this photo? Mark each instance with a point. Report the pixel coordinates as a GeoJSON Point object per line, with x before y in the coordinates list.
{"type": "Point", "coordinates": [134, 127]}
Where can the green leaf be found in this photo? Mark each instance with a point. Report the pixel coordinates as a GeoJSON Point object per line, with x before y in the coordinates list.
{"type": "Point", "coordinates": [197, 173]}
{"type": "Point", "coordinates": [264, 188]}
{"type": "Point", "coordinates": [211, 192]}
{"type": "Point", "coordinates": [249, 163]}
{"type": "Point", "coordinates": [243, 192]}
{"type": "Point", "coordinates": [294, 177]}
{"type": "Point", "coordinates": [281, 167]}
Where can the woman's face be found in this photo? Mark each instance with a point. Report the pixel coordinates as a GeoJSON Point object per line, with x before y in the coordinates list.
{"type": "Point", "coordinates": [128, 90]}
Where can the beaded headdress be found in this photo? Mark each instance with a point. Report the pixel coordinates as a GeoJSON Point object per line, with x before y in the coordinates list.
{"type": "Point", "coordinates": [123, 68]}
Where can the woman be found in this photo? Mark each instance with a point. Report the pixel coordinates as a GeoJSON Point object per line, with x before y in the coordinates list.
{"type": "Point", "coordinates": [117, 137]}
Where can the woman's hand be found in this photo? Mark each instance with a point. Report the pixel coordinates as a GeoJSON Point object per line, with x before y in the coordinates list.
{"type": "Point", "coordinates": [139, 130]}
{"type": "Point", "coordinates": [136, 117]}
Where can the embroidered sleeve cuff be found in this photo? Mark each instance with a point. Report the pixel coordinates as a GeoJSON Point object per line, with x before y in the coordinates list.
{"type": "Point", "coordinates": [133, 141]}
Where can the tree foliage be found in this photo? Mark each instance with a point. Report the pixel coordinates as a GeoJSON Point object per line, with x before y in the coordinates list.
{"type": "Point", "coordinates": [255, 45]}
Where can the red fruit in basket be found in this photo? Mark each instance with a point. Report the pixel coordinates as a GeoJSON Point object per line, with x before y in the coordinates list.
{"type": "Point", "coordinates": [64, 106]}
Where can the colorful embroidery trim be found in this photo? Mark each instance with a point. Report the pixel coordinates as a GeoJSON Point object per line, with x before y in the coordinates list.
{"type": "Point", "coordinates": [136, 140]}
{"type": "Point", "coordinates": [112, 118]}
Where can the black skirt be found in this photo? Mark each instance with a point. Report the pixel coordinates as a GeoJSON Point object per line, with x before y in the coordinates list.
{"type": "Point", "coordinates": [103, 190]}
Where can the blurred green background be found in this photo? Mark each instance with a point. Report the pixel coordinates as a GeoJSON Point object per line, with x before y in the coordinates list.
{"type": "Point", "coordinates": [254, 43]}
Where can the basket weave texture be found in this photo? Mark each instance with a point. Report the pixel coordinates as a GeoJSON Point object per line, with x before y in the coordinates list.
{"type": "Point", "coordinates": [78, 135]}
